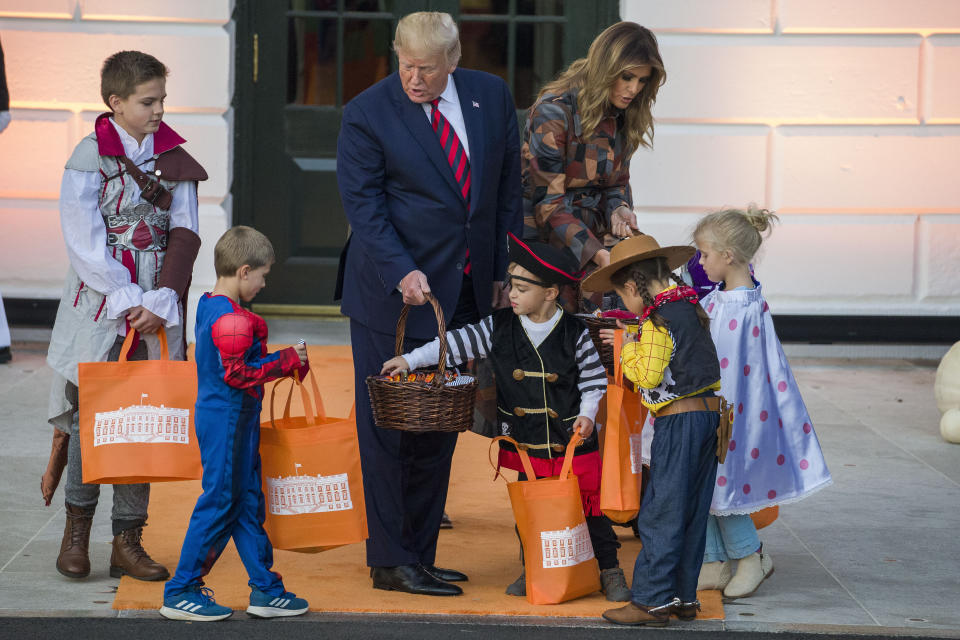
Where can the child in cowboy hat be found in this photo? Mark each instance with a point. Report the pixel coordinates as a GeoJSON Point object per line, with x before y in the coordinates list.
{"type": "Point", "coordinates": [674, 363]}
{"type": "Point", "coordinates": [549, 384]}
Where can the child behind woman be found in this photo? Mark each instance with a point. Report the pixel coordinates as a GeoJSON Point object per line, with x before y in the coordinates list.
{"type": "Point", "coordinates": [774, 456]}
{"type": "Point", "coordinates": [549, 384]}
{"type": "Point", "coordinates": [674, 363]}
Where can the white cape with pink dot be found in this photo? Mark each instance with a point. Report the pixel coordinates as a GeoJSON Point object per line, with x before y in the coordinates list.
{"type": "Point", "coordinates": [774, 455]}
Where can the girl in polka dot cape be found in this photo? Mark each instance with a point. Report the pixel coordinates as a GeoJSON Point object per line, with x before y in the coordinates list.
{"type": "Point", "coordinates": [774, 455]}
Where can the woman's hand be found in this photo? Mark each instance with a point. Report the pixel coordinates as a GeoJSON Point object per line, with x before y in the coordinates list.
{"type": "Point", "coordinates": [623, 222]}
{"type": "Point", "coordinates": [601, 258]}
{"type": "Point", "coordinates": [394, 366]}
{"type": "Point", "coordinates": [584, 425]}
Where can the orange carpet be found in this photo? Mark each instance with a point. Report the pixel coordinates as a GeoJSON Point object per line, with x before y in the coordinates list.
{"type": "Point", "coordinates": [482, 542]}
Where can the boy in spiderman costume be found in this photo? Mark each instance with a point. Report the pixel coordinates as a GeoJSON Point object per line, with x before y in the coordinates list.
{"type": "Point", "coordinates": [232, 367]}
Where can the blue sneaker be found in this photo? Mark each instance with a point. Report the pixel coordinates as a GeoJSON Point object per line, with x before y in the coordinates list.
{"type": "Point", "coordinates": [195, 604]}
{"type": "Point", "coordinates": [263, 605]}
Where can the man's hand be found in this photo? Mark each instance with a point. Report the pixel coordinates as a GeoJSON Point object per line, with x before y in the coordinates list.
{"type": "Point", "coordinates": [623, 222]}
{"type": "Point", "coordinates": [394, 366]}
{"type": "Point", "coordinates": [501, 295]}
{"type": "Point", "coordinates": [414, 286]}
{"type": "Point", "coordinates": [584, 425]}
{"type": "Point", "coordinates": [144, 320]}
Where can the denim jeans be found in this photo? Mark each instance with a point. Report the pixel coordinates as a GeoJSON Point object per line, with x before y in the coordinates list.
{"type": "Point", "coordinates": [676, 504]}
{"type": "Point", "coordinates": [730, 538]}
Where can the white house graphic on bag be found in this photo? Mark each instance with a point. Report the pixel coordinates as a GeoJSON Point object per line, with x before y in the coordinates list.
{"type": "Point", "coordinates": [142, 423]}
{"type": "Point", "coordinates": [566, 547]}
{"type": "Point", "coordinates": [298, 494]}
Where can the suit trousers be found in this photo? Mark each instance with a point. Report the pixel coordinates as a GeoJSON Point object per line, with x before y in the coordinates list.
{"type": "Point", "coordinates": [405, 474]}
{"type": "Point", "coordinates": [673, 516]}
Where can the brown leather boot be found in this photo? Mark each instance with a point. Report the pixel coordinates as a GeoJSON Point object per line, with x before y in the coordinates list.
{"type": "Point", "coordinates": [687, 611]}
{"type": "Point", "coordinates": [638, 614]}
{"type": "Point", "coordinates": [74, 558]}
{"type": "Point", "coordinates": [130, 558]}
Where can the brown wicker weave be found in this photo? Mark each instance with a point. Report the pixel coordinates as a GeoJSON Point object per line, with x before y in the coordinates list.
{"type": "Point", "coordinates": [594, 324]}
{"type": "Point", "coordinates": [422, 406]}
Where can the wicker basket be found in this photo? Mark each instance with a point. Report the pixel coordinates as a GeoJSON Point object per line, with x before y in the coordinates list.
{"type": "Point", "coordinates": [422, 406]}
{"type": "Point", "coordinates": [594, 324]}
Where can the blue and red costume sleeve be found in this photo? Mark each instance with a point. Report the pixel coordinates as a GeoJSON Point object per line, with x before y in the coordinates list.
{"type": "Point", "coordinates": [241, 340]}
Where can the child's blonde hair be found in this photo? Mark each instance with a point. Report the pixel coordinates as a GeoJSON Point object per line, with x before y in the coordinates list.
{"type": "Point", "coordinates": [241, 245]}
{"type": "Point", "coordinates": [738, 231]}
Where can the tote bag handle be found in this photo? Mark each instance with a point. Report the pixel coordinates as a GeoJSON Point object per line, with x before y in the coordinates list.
{"type": "Point", "coordinates": [313, 418]}
{"type": "Point", "coordinates": [525, 457]}
{"type": "Point", "coordinates": [128, 343]}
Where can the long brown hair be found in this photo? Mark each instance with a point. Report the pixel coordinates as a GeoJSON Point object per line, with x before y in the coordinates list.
{"type": "Point", "coordinates": [643, 272]}
{"type": "Point", "coordinates": [622, 46]}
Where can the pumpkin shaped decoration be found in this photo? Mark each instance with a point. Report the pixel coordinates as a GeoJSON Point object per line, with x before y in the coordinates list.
{"type": "Point", "coordinates": [946, 391]}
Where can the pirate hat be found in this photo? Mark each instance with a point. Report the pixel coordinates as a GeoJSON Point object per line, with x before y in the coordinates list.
{"type": "Point", "coordinates": [635, 249]}
{"type": "Point", "coordinates": [551, 265]}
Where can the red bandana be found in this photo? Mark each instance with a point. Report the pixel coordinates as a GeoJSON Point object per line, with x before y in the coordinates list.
{"type": "Point", "coordinates": [670, 295]}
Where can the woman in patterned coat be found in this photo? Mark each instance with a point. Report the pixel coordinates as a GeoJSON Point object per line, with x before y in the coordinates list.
{"type": "Point", "coordinates": [580, 136]}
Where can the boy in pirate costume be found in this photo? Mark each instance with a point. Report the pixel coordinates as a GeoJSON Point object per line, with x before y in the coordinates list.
{"type": "Point", "coordinates": [549, 383]}
{"type": "Point", "coordinates": [128, 210]}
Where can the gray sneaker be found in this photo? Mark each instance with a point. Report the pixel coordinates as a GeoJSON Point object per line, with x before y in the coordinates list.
{"type": "Point", "coordinates": [614, 584]}
{"type": "Point", "coordinates": [519, 586]}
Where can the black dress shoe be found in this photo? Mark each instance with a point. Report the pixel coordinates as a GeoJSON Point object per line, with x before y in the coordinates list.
{"type": "Point", "coordinates": [447, 575]}
{"type": "Point", "coordinates": [412, 578]}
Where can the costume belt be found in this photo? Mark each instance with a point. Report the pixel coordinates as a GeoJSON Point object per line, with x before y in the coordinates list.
{"type": "Point", "coordinates": [555, 447]}
{"type": "Point", "coordinates": [715, 404]}
{"type": "Point", "coordinates": [686, 405]}
{"type": "Point", "coordinates": [142, 229]}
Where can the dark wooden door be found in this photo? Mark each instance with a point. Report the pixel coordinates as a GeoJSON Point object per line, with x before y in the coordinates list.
{"type": "Point", "coordinates": [300, 61]}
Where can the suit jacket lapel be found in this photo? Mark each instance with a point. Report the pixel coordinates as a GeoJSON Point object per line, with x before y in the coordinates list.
{"type": "Point", "coordinates": [473, 120]}
{"type": "Point", "coordinates": [413, 117]}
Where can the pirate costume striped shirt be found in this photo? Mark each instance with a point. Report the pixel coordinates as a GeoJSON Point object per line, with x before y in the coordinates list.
{"type": "Point", "coordinates": [475, 341]}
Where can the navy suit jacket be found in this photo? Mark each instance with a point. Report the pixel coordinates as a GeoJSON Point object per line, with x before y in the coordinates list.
{"type": "Point", "coordinates": [405, 210]}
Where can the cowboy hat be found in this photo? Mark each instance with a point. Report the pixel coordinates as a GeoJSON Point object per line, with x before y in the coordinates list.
{"type": "Point", "coordinates": [635, 249]}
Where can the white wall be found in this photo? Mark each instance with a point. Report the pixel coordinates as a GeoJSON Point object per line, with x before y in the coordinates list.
{"type": "Point", "coordinates": [54, 50]}
{"type": "Point", "coordinates": [842, 115]}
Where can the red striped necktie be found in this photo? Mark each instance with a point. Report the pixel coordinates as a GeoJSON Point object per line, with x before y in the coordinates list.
{"type": "Point", "coordinates": [456, 156]}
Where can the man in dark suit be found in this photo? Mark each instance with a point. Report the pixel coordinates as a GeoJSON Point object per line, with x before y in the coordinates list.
{"type": "Point", "coordinates": [428, 169]}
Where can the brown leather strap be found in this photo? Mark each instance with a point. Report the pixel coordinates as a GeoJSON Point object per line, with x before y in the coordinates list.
{"type": "Point", "coordinates": [150, 190]}
{"type": "Point", "coordinates": [686, 405]}
{"type": "Point", "coordinates": [182, 248]}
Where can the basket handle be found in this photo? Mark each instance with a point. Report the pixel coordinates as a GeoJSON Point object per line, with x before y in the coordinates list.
{"type": "Point", "coordinates": [441, 328]}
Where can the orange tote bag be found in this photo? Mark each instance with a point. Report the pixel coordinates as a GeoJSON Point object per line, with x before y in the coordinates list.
{"type": "Point", "coordinates": [621, 476]}
{"type": "Point", "coordinates": [136, 419]}
{"type": "Point", "coordinates": [557, 551]}
{"type": "Point", "coordinates": [312, 483]}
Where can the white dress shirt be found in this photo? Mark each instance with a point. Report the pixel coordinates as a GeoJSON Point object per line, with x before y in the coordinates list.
{"type": "Point", "coordinates": [85, 236]}
{"type": "Point", "coordinates": [449, 106]}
